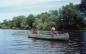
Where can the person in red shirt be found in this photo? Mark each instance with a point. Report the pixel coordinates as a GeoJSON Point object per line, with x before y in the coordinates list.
{"type": "Point", "coordinates": [34, 30]}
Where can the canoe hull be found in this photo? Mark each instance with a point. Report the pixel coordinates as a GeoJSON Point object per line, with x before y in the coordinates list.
{"type": "Point", "coordinates": [64, 36]}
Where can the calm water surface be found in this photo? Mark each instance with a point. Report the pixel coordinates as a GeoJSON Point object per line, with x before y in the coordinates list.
{"type": "Point", "coordinates": [16, 42]}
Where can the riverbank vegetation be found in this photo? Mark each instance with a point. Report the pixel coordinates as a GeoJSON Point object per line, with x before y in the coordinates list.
{"type": "Point", "coordinates": [67, 17]}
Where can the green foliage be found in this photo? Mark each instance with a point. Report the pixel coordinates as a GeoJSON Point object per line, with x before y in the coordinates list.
{"type": "Point", "coordinates": [18, 20]}
{"type": "Point", "coordinates": [71, 18]}
{"type": "Point", "coordinates": [24, 24]}
{"type": "Point", "coordinates": [45, 21]}
{"type": "Point", "coordinates": [67, 17]}
{"type": "Point", "coordinates": [29, 20]}
{"type": "Point", "coordinates": [54, 12]}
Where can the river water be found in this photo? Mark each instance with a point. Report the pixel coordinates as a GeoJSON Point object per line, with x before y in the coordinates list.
{"type": "Point", "coordinates": [17, 42]}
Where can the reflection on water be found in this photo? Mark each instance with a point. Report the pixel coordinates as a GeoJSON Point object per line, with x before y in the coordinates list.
{"type": "Point", "coordinates": [16, 42]}
{"type": "Point", "coordinates": [83, 42]}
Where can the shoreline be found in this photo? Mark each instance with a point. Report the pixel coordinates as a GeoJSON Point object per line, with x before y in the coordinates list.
{"type": "Point", "coordinates": [43, 30]}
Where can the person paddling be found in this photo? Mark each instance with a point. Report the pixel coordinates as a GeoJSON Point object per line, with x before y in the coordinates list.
{"type": "Point", "coordinates": [34, 30]}
{"type": "Point", "coordinates": [53, 31]}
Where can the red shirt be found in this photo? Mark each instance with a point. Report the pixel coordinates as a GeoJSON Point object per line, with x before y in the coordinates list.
{"type": "Point", "coordinates": [34, 31]}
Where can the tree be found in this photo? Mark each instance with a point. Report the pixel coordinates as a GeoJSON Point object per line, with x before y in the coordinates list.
{"type": "Point", "coordinates": [53, 12]}
{"type": "Point", "coordinates": [24, 24]}
{"type": "Point", "coordinates": [52, 21]}
{"type": "Point", "coordinates": [30, 20]}
{"type": "Point", "coordinates": [45, 21]}
{"type": "Point", "coordinates": [71, 18]}
{"type": "Point", "coordinates": [18, 20]}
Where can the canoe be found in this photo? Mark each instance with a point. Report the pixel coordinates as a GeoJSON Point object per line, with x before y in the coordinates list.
{"type": "Point", "coordinates": [63, 36]}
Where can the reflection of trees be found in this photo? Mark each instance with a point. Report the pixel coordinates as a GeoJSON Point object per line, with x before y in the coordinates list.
{"type": "Point", "coordinates": [74, 44]}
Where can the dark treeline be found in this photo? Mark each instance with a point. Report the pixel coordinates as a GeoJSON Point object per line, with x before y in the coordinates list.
{"type": "Point", "coordinates": [67, 17]}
